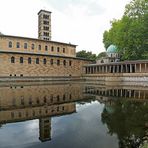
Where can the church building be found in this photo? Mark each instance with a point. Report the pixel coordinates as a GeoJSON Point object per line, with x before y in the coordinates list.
{"type": "Point", "coordinates": [24, 57]}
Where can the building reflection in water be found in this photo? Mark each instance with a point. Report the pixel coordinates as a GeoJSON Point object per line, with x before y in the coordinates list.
{"type": "Point", "coordinates": [120, 113]}
{"type": "Point", "coordinates": [125, 112]}
{"type": "Point", "coordinates": [21, 103]}
{"type": "Point", "coordinates": [117, 92]}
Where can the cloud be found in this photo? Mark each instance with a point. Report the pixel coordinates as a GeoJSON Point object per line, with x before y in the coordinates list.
{"type": "Point", "coordinates": [84, 4]}
{"type": "Point", "coordinates": [81, 22]}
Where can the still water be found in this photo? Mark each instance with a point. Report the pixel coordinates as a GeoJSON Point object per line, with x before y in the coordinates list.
{"type": "Point", "coordinates": [72, 115]}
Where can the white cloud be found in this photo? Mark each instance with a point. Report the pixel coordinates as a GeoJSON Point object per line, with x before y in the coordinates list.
{"type": "Point", "coordinates": [80, 22]}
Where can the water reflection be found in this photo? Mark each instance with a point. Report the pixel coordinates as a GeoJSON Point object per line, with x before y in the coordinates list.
{"type": "Point", "coordinates": [127, 119]}
{"type": "Point", "coordinates": [21, 103]}
{"type": "Point", "coordinates": [123, 110]}
{"type": "Point", "coordinates": [117, 92]}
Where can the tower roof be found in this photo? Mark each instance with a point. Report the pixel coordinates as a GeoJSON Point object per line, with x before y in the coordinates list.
{"type": "Point", "coordinates": [44, 11]}
{"type": "Point", "coordinates": [112, 49]}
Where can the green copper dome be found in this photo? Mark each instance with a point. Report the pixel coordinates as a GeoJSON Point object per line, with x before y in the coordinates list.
{"type": "Point", "coordinates": [112, 49]}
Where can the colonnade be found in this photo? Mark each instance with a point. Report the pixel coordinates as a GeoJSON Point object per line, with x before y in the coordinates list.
{"type": "Point", "coordinates": [136, 94]}
{"type": "Point", "coordinates": [121, 67]}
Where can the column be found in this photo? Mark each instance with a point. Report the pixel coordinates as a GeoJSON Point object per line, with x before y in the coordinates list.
{"type": "Point", "coordinates": [144, 95]}
{"type": "Point", "coordinates": [113, 69]}
{"type": "Point", "coordinates": [121, 68]}
{"type": "Point", "coordinates": [131, 68]}
{"type": "Point", "coordinates": [121, 92]}
{"type": "Point", "coordinates": [98, 69]}
{"type": "Point", "coordinates": [135, 68]}
{"type": "Point", "coordinates": [110, 68]}
{"type": "Point", "coordinates": [145, 67]}
{"type": "Point", "coordinates": [126, 68]}
{"type": "Point", "coordinates": [134, 94]}
{"type": "Point", "coordinates": [106, 68]}
{"type": "Point", "coordinates": [140, 67]}
{"type": "Point", "coordinates": [117, 68]}
{"type": "Point", "coordinates": [94, 69]}
{"type": "Point", "coordinates": [139, 95]}
{"type": "Point", "coordinates": [129, 93]}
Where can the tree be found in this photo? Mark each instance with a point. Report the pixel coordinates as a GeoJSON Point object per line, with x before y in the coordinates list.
{"type": "Point", "coordinates": [136, 8]}
{"type": "Point", "coordinates": [130, 33]}
{"type": "Point", "coordinates": [101, 54]}
{"type": "Point", "coordinates": [121, 116]}
{"type": "Point", "coordinates": [87, 55]}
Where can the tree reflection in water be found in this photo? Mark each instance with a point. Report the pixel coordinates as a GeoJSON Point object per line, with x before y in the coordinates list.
{"type": "Point", "coordinates": [127, 119]}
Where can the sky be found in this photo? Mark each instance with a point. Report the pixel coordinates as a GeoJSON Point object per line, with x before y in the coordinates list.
{"type": "Point", "coordinates": [79, 22]}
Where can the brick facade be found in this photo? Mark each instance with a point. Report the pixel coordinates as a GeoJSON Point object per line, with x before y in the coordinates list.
{"type": "Point", "coordinates": [44, 62]}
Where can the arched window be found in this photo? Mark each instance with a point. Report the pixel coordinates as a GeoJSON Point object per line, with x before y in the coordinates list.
{"type": "Point", "coordinates": [46, 48]}
{"type": "Point", "coordinates": [37, 60]}
{"type": "Point", "coordinates": [18, 45]}
{"type": "Point", "coordinates": [21, 60]}
{"type": "Point", "coordinates": [70, 63]}
{"type": "Point", "coordinates": [64, 62]}
{"type": "Point", "coordinates": [39, 47]}
{"type": "Point", "coordinates": [58, 62]}
{"type": "Point", "coordinates": [29, 60]}
{"type": "Point", "coordinates": [52, 48]}
{"type": "Point", "coordinates": [44, 61]}
{"type": "Point", "coordinates": [32, 46]}
{"type": "Point", "coordinates": [63, 50]}
{"type": "Point", "coordinates": [51, 61]}
{"type": "Point", "coordinates": [10, 44]}
{"type": "Point", "coordinates": [25, 45]}
{"type": "Point", "coordinates": [12, 59]}
{"type": "Point", "coordinates": [58, 49]}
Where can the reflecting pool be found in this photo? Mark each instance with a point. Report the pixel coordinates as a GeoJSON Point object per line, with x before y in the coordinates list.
{"type": "Point", "coordinates": [72, 115]}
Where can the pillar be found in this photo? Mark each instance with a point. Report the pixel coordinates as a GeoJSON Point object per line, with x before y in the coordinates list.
{"type": "Point", "coordinates": [106, 68]}
{"type": "Point", "coordinates": [97, 69]}
{"type": "Point", "coordinates": [140, 67]}
{"type": "Point", "coordinates": [145, 67]}
{"type": "Point", "coordinates": [135, 68]}
{"type": "Point", "coordinates": [139, 95]}
{"type": "Point", "coordinates": [121, 92]}
{"type": "Point", "coordinates": [131, 68]}
{"type": "Point", "coordinates": [126, 68]}
{"type": "Point", "coordinates": [113, 69]}
{"type": "Point", "coordinates": [117, 68]}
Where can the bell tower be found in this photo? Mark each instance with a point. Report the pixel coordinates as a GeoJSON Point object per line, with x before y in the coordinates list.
{"type": "Point", "coordinates": [44, 25]}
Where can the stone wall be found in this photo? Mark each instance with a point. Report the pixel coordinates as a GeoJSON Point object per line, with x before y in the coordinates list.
{"type": "Point", "coordinates": [46, 47]}
{"type": "Point", "coordinates": [37, 95]}
{"type": "Point", "coordinates": [119, 78]}
{"type": "Point", "coordinates": [35, 101]}
{"type": "Point", "coordinates": [59, 67]}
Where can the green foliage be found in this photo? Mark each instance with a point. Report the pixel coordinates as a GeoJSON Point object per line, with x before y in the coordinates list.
{"type": "Point", "coordinates": [130, 34]}
{"type": "Point", "coordinates": [87, 55]}
{"type": "Point", "coordinates": [136, 8]}
{"type": "Point", "coordinates": [101, 54]}
{"type": "Point", "coordinates": [127, 118]}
